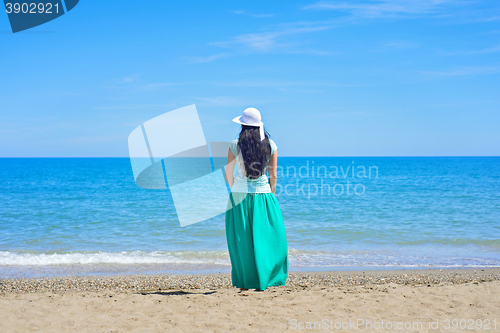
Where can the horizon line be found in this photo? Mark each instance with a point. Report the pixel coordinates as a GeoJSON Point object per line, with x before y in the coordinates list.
{"type": "Point", "coordinates": [312, 156]}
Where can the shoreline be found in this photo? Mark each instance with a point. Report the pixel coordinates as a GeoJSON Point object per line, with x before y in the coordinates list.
{"type": "Point", "coordinates": [9, 272]}
{"type": "Point", "coordinates": [214, 281]}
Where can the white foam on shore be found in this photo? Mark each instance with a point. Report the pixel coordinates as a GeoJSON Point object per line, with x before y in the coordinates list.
{"type": "Point", "coordinates": [297, 258]}
{"type": "Point", "coordinates": [125, 257]}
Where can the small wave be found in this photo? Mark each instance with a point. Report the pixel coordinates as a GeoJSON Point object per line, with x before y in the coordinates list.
{"type": "Point", "coordinates": [297, 258]}
{"type": "Point", "coordinates": [491, 243]}
{"type": "Point", "coordinates": [8, 258]}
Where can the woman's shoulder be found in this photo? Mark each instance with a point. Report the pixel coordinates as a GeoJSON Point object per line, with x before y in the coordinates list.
{"type": "Point", "coordinates": [274, 147]}
{"type": "Point", "coordinates": [233, 144]}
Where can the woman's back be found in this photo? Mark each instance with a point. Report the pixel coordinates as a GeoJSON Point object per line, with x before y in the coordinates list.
{"type": "Point", "coordinates": [245, 184]}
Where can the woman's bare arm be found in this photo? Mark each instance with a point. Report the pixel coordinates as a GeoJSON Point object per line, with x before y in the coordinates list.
{"type": "Point", "coordinates": [230, 168]}
{"type": "Point", "coordinates": [273, 173]}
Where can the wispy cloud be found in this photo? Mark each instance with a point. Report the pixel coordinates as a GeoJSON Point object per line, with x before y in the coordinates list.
{"type": "Point", "coordinates": [345, 114]}
{"type": "Point", "coordinates": [228, 101]}
{"type": "Point", "coordinates": [400, 45]}
{"type": "Point", "coordinates": [135, 106]}
{"type": "Point", "coordinates": [259, 41]}
{"type": "Point", "coordinates": [134, 84]}
{"type": "Point", "coordinates": [243, 12]}
{"type": "Point", "coordinates": [86, 140]}
{"type": "Point", "coordinates": [128, 79]}
{"type": "Point", "coordinates": [464, 71]}
{"type": "Point", "coordinates": [145, 87]}
{"type": "Point", "coordinates": [30, 127]}
{"type": "Point", "coordinates": [386, 8]}
{"type": "Point", "coordinates": [154, 86]}
{"type": "Point", "coordinates": [210, 58]}
{"type": "Point", "coordinates": [270, 40]}
{"type": "Point", "coordinates": [490, 19]}
{"type": "Point", "coordinates": [283, 84]}
{"type": "Point", "coordinates": [223, 101]}
{"type": "Point", "coordinates": [487, 50]}
{"type": "Point", "coordinates": [66, 93]}
{"type": "Point", "coordinates": [314, 52]}
{"type": "Point", "coordinates": [289, 37]}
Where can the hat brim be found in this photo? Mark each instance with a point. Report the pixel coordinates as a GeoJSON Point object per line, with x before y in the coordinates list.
{"type": "Point", "coordinates": [238, 121]}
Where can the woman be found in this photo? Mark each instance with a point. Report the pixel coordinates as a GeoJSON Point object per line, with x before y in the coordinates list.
{"type": "Point", "coordinates": [255, 230]}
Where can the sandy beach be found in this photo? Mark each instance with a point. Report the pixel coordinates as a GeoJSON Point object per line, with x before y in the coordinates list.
{"type": "Point", "coordinates": [370, 301]}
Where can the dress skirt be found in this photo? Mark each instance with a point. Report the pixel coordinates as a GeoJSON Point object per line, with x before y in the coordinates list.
{"type": "Point", "coordinates": [256, 240]}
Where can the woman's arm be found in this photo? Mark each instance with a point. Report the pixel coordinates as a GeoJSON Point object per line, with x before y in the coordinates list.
{"type": "Point", "coordinates": [230, 168]}
{"type": "Point", "coordinates": [273, 173]}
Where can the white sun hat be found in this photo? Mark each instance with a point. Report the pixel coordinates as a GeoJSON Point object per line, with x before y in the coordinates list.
{"type": "Point", "coordinates": [251, 117]}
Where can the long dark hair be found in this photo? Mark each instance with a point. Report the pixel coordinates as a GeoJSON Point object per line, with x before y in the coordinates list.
{"type": "Point", "coordinates": [255, 153]}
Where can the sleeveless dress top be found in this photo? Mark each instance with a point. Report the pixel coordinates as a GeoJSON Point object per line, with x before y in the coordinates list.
{"type": "Point", "coordinates": [243, 184]}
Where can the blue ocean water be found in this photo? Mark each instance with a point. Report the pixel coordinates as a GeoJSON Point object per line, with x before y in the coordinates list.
{"type": "Point", "coordinates": [348, 212]}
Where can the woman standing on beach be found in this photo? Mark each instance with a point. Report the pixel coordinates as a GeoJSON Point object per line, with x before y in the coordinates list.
{"type": "Point", "coordinates": [255, 231]}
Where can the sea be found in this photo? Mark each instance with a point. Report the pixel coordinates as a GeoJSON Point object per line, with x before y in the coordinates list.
{"type": "Point", "coordinates": [81, 216]}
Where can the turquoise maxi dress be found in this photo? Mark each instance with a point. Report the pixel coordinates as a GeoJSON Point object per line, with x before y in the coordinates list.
{"type": "Point", "coordinates": [255, 232]}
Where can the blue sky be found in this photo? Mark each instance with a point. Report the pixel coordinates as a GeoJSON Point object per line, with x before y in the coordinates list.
{"type": "Point", "coordinates": [331, 78]}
